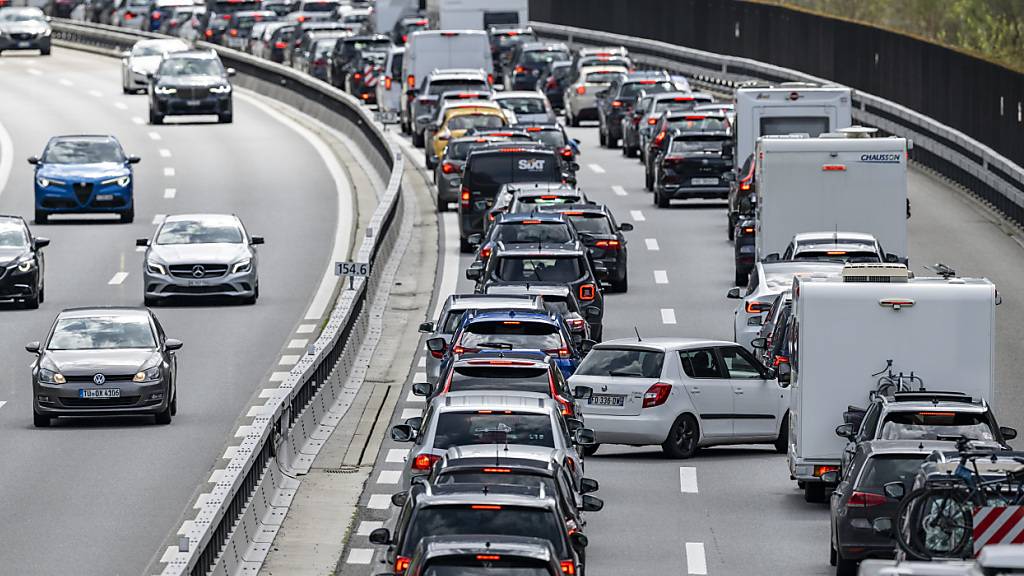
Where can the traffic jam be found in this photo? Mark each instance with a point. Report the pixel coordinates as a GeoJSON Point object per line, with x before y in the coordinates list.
{"type": "Point", "coordinates": [896, 434]}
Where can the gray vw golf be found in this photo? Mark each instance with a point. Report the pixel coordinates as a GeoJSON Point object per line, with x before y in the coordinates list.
{"type": "Point", "coordinates": [200, 255]}
{"type": "Point", "coordinates": [104, 361]}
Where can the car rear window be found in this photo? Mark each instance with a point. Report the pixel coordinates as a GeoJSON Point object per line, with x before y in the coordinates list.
{"type": "Point", "coordinates": [460, 85]}
{"type": "Point", "coordinates": [553, 138]}
{"type": "Point", "coordinates": [232, 6]}
{"type": "Point", "coordinates": [487, 427]}
{"type": "Point", "coordinates": [622, 362]}
{"type": "Point", "coordinates": [509, 334]}
{"type": "Point", "coordinates": [501, 567]}
{"type": "Point", "coordinates": [500, 520]}
{"type": "Point", "coordinates": [467, 121]}
{"type": "Point", "coordinates": [539, 269]}
{"type": "Point", "coordinates": [935, 425]}
{"type": "Point", "coordinates": [631, 89]}
{"type": "Point", "coordinates": [592, 224]}
{"type": "Point", "coordinates": [519, 233]}
{"type": "Point", "coordinates": [680, 146]}
{"type": "Point", "coordinates": [837, 256]}
{"type": "Point", "coordinates": [487, 172]}
{"type": "Point", "coordinates": [320, 6]}
{"type": "Point", "coordinates": [500, 378]}
{"type": "Point", "coordinates": [663, 105]}
{"type": "Point", "coordinates": [882, 469]}
{"type": "Point", "coordinates": [601, 77]}
{"type": "Point", "coordinates": [545, 56]}
{"type": "Point", "coordinates": [523, 105]}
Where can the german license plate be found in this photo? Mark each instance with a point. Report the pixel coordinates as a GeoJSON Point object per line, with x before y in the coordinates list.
{"type": "Point", "coordinates": [24, 44]}
{"type": "Point", "coordinates": [193, 102]}
{"type": "Point", "coordinates": [104, 197]}
{"type": "Point", "coordinates": [99, 393]}
{"type": "Point", "coordinates": [607, 400]}
{"type": "Point", "coordinates": [198, 283]}
{"type": "Point", "coordinates": [705, 181]}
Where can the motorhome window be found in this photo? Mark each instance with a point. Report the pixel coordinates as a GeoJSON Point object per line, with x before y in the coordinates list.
{"type": "Point", "coordinates": [813, 126]}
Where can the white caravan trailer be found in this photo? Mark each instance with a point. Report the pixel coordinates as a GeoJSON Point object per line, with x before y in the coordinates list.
{"type": "Point", "coordinates": [477, 14]}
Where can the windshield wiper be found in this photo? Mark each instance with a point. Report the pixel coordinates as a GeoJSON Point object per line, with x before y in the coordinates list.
{"type": "Point", "coordinates": [496, 345]}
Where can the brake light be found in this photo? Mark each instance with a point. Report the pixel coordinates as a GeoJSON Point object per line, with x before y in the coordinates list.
{"type": "Point", "coordinates": [748, 229]}
{"type": "Point", "coordinates": [129, 15]}
{"type": "Point", "coordinates": [425, 461]}
{"type": "Point", "coordinates": [449, 168]}
{"type": "Point", "coordinates": [587, 292]}
{"type": "Point", "coordinates": [834, 168]}
{"type": "Point", "coordinates": [319, 62]}
{"type": "Point", "coordinates": [533, 128]}
{"type": "Point", "coordinates": [780, 360]}
{"type": "Point", "coordinates": [357, 76]}
{"type": "Point", "coordinates": [449, 34]}
{"type": "Point", "coordinates": [490, 78]}
{"type": "Point", "coordinates": [836, 253]}
{"type": "Point", "coordinates": [485, 252]}
{"type": "Point", "coordinates": [233, 32]}
{"type": "Point", "coordinates": [155, 15]}
{"type": "Point", "coordinates": [387, 82]}
{"type": "Point", "coordinates": [281, 45]}
{"type": "Point", "coordinates": [581, 90]}
{"type": "Point", "coordinates": [405, 38]}
{"type": "Point", "coordinates": [946, 414]}
{"type": "Point", "coordinates": [745, 186]}
{"type": "Point", "coordinates": [608, 244]}
{"type": "Point", "coordinates": [648, 81]}
{"type": "Point", "coordinates": [682, 99]}
{"type": "Point", "coordinates": [616, 104]}
{"type": "Point", "coordinates": [696, 118]}
{"type": "Point", "coordinates": [209, 33]}
{"type": "Point", "coordinates": [756, 307]}
{"type": "Point", "coordinates": [485, 507]}
{"type": "Point", "coordinates": [488, 557]}
{"type": "Point", "coordinates": [568, 567]}
{"type": "Point", "coordinates": [301, 19]}
{"type": "Point", "coordinates": [465, 197]}
{"type": "Point", "coordinates": [173, 24]}
{"type": "Point", "coordinates": [421, 22]}
{"type": "Point", "coordinates": [411, 81]}
{"type": "Point", "coordinates": [658, 139]}
{"type": "Point", "coordinates": [497, 470]}
{"type": "Point", "coordinates": [551, 83]}
{"type": "Point", "coordinates": [512, 150]}
{"type": "Point", "coordinates": [577, 324]}
{"type": "Point", "coordinates": [566, 152]}
{"type": "Point", "coordinates": [226, 17]}
{"type": "Point", "coordinates": [652, 121]}
{"type": "Point", "coordinates": [819, 470]}
{"type": "Point", "coordinates": [865, 500]}
{"type": "Point", "coordinates": [657, 394]}
{"type": "Point", "coordinates": [511, 322]}
{"type": "Point", "coordinates": [520, 70]}
{"type": "Point", "coordinates": [364, 96]}
{"type": "Point", "coordinates": [401, 564]}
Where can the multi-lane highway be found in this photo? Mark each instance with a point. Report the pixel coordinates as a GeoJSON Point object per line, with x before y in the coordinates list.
{"type": "Point", "coordinates": [102, 496]}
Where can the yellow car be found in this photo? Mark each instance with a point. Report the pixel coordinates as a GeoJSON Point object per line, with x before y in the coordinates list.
{"type": "Point", "coordinates": [457, 120]}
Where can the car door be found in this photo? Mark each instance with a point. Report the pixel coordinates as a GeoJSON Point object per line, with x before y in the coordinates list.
{"type": "Point", "coordinates": [757, 399]}
{"type": "Point", "coordinates": [709, 389]}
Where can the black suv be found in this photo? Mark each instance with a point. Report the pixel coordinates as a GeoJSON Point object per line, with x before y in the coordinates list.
{"type": "Point", "coordinates": [696, 163]}
{"type": "Point", "coordinates": [618, 99]}
{"type": "Point", "coordinates": [345, 52]}
{"type": "Point", "coordinates": [189, 83]}
{"type": "Point", "coordinates": [21, 262]}
{"type": "Point", "coordinates": [529, 59]}
{"type": "Point", "coordinates": [600, 233]}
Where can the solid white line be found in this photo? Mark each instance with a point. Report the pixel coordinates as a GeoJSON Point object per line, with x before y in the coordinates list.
{"type": "Point", "coordinates": [637, 215]}
{"type": "Point", "coordinates": [118, 278]}
{"type": "Point", "coordinates": [120, 105]}
{"type": "Point", "coordinates": [695, 561]}
{"type": "Point", "coordinates": [410, 413]}
{"type": "Point", "coordinates": [164, 153]}
{"type": "Point", "coordinates": [158, 218]}
{"type": "Point", "coordinates": [652, 244]}
{"type": "Point", "coordinates": [449, 258]}
{"type": "Point", "coordinates": [668, 316]}
{"type": "Point", "coordinates": [298, 343]}
{"type": "Point", "coordinates": [596, 168]}
{"type": "Point", "coordinates": [138, 120]}
{"type": "Point", "coordinates": [397, 455]}
{"type": "Point", "coordinates": [660, 277]}
{"type": "Point", "coordinates": [170, 192]}
{"type": "Point", "coordinates": [360, 556]}
{"type": "Point", "coordinates": [6, 157]}
{"type": "Point", "coordinates": [66, 82]}
{"type": "Point", "coordinates": [688, 479]}
{"type": "Point", "coordinates": [154, 136]}
{"type": "Point", "coordinates": [367, 526]}
{"type": "Point", "coordinates": [305, 329]}
{"type": "Point", "coordinates": [389, 477]}
{"type": "Point", "coordinates": [619, 190]}
{"type": "Point", "coordinates": [96, 93]}
{"type": "Point", "coordinates": [379, 501]}
{"type": "Point", "coordinates": [422, 363]}
{"type": "Point", "coordinates": [168, 171]}
{"type": "Point", "coordinates": [289, 360]}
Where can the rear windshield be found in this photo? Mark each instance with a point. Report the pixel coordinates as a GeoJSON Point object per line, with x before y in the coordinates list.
{"type": "Point", "coordinates": [553, 138]}
{"type": "Point", "coordinates": [697, 123]}
{"type": "Point", "coordinates": [689, 146]}
{"type": "Point", "coordinates": [510, 334]}
{"type": "Point", "coordinates": [601, 77]}
{"type": "Point", "coordinates": [319, 6]}
{"type": "Point", "coordinates": [662, 105]}
{"type": "Point", "coordinates": [465, 519]}
{"type": "Point", "coordinates": [631, 89]}
{"type": "Point", "coordinates": [471, 567]}
{"type": "Point", "coordinates": [324, 47]}
{"type": "Point", "coordinates": [500, 378]}
{"type": "Point", "coordinates": [619, 362]}
{"type": "Point", "coordinates": [880, 470]}
{"type": "Point", "coordinates": [536, 269]}
{"type": "Point", "coordinates": [555, 232]}
{"type": "Point", "coordinates": [232, 6]}
{"type": "Point", "coordinates": [461, 85]}
{"type": "Point", "coordinates": [817, 255]}
{"type": "Point", "coordinates": [592, 224]}
{"type": "Point", "coordinates": [488, 172]}
{"type": "Point", "coordinates": [559, 306]}
{"type": "Point", "coordinates": [470, 428]}
{"type": "Point", "coordinates": [396, 64]}
{"type": "Point", "coordinates": [935, 425]}
{"type": "Point", "coordinates": [467, 121]}
{"type": "Point", "coordinates": [523, 105]}
{"type": "Point", "coordinates": [545, 56]}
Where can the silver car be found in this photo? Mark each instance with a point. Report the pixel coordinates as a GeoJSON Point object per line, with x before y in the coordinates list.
{"type": "Point", "coordinates": [529, 107]}
{"type": "Point", "coordinates": [580, 99]}
{"type": "Point", "coordinates": [200, 255]}
{"type": "Point", "coordinates": [142, 60]}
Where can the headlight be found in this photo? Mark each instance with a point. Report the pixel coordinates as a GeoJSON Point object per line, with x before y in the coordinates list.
{"type": "Point", "coordinates": [51, 377]}
{"type": "Point", "coordinates": [47, 182]}
{"type": "Point", "coordinates": [220, 89]}
{"type": "Point", "coordinates": [165, 90]}
{"type": "Point", "coordinates": [155, 267]}
{"type": "Point", "coordinates": [26, 265]}
{"type": "Point", "coordinates": [47, 32]}
{"type": "Point", "coordinates": [122, 181]}
{"type": "Point", "coordinates": [147, 375]}
{"type": "Point", "coordinates": [243, 266]}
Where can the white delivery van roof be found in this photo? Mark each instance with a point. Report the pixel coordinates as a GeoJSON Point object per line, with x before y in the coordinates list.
{"type": "Point", "coordinates": [429, 50]}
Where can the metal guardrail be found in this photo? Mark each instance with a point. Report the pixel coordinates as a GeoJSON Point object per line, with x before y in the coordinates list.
{"type": "Point", "coordinates": [960, 158]}
{"type": "Point", "coordinates": [228, 522]}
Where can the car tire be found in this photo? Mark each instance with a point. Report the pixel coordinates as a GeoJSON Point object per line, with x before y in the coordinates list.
{"type": "Point", "coordinates": [44, 51]}
{"type": "Point", "coordinates": [155, 118]}
{"type": "Point", "coordinates": [782, 442]}
{"type": "Point", "coordinates": [833, 558]}
{"type": "Point", "coordinates": [465, 247]}
{"type": "Point", "coordinates": [42, 293]}
{"type": "Point", "coordinates": [621, 285]}
{"type": "Point", "coordinates": [660, 200]}
{"type": "Point", "coordinates": [417, 139]}
{"type": "Point", "coordinates": [128, 216]}
{"type": "Point", "coordinates": [574, 121]}
{"type": "Point", "coordinates": [32, 303]}
{"type": "Point", "coordinates": [740, 279]}
{"type": "Point", "coordinates": [591, 450]}
{"type": "Point", "coordinates": [595, 334]}
{"type": "Point", "coordinates": [41, 217]}
{"type": "Point", "coordinates": [40, 420]}
{"type": "Point", "coordinates": [629, 151]}
{"type": "Point", "coordinates": [428, 160]}
{"type": "Point", "coordinates": [815, 493]}
{"type": "Point", "coordinates": [602, 140]}
{"type": "Point", "coordinates": [731, 231]}
{"type": "Point", "coordinates": [127, 90]}
{"type": "Point", "coordinates": [165, 417]}
{"type": "Point", "coordinates": [611, 142]}
{"type": "Point", "coordinates": [682, 439]}
{"type": "Point", "coordinates": [846, 567]}
{"type": "Point", "coordinates": [174, 405]}
{"type": "Point", "coordinates": [225, 118]}
{"type": "Point", "coordinates": [150, 302]}
{"type": "Point", "coordinates": [442, 204]}
{"type": "Point", "coordinates": [648, 180]}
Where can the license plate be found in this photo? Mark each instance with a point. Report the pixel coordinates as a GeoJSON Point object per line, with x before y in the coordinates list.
{"type": "Point", "coordinates": [705, 181]}
{"type": "Point", "coordinates": [198, 283]}
{"type": "Point", "coordinates": [193, 102]}
{"type": "Point", "coordinates": [24, 44]}
{"type": "Point", "coordinates": [99, 393]}
{"type": "Point", "coordinates": [607, 400]}
{"type": "Point", "coordinates": [104, 196]}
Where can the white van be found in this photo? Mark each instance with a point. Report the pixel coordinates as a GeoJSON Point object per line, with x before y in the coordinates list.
{"type": "Point", "coordinates": [478, 14]}
{"type": "Point", "coordinates": [429, 50]}
{"type": "Point", "coordinates": [839, 182]}
{"type": "Point", "coordinates": [389, 90]}
{"type": "Point", "coordinates": [850, 331]}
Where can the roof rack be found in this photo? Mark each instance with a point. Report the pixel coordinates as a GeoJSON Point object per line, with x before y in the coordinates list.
{"type": "Point", "coordinates": [875, 272]}
{"type": "Point", "coordinates": [930, 396]}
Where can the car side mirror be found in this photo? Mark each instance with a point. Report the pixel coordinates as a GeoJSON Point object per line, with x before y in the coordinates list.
{"type": "Point", "coordinates": [773, 257]}
{"type": "Point", "coordinates": [437, 345]}
{"type": "Point", "coordinates": [592, 312]}
{"type": "Point", "coordinates": [427, 327]}
{"type": "Point", "coordinates": [892, 258]}
{"type": "Point", "coordinates": [1007, 432]}
{"type": "Point", "coordinates": [171, 344]}
{"type": "Point", "coordinates": [579, 540]}
{"type": "Point", "coordinates": [830, 477]}
{"type": "Point", "coordinates": [474, 273]}
{"type": "Point", "coordinates": [573, 424]}
{"type": "Point", "coordinates": [381, 536]}
{"type": "Point", "coordinates": [399, 499]}
{"type": "Point", "coordinates": [134, 159]}
{"type": "Point", "coordinates": [41, 243]}
{"type": "Point", "coordinates": [894, 490]}
{"type": "Point", "coordinates": [582, 392]}
{"type": "Point", "coordinates": [759, 343]}
{"type": "Point", "coordinates": [592, 503]}
{"type": "Point", "coordinates": [845, 431]}
{"type": "Point", "coordinates": [33, 160]}
{"type": "Point", "coordinates": [403, 433]}
{"type": "Point", "coordinates": [588, 485]}
{"type": "Point", "coordinates": [784, 374]}
{"type": "Point", "coordinates": [142, 241]}
{"type": "Point", "coordinates": [585, 437]}
{"type": "Point", "coordinates": [882, 527]}
{"type": "Point", "coordinates": [32, 347]}
{"type": "Point", "coordinates": [586, 345]}
{"type": "Point", "coordinates": [733, 294]}
{"type": "Point", "coordinates": [415, 422]}
{"type": "Point", "coordinates": [422, 388]}
{"type": "Point", "coordinates": [257, 240]}
{"type": "Point", "coordinates": [231, 71]}
{"type": "Point", "coordinates": [474, 239]}
{"type": "Point", "coordinates": [626, 227]}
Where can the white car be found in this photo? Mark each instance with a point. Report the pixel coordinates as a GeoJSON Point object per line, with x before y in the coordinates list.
{"type": "Point", "coordinates": [680, 393]}
{"type": "Point", "coordinates": [767, 280]}
{"type": "Point", "coordinates": [143, 59]}
{"type": "Point", "coordinates": [580, 98]}
{"type": "Point", "coordinates": [527, 106]}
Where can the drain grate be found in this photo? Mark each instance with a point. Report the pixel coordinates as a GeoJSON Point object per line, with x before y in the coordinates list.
{"type": "Point", "coordinates": [342, 470]}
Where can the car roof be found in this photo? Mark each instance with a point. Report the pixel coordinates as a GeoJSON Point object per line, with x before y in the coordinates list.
{"type": "Point", "coordinates": [519, 401]}
{"type": "Point", "coordinates": [483, 301]}
{"type": "Point", "coordinates": [209, 218]}
{"type": "Point", "coordinates": [519, 362]}
{"type": "Point", "coordinates": [519, 217]}
{"type": "Point", "coordinates": [661, 344]}
{"type": "Point", "coordinates": [11, 218]}
{"type": "Point", "coordinates": [194, 54]}
{"type": "Point", "coordinates": [456, 73]}
{"type": "Point", "coordinates": [548, 46]}
{"type": "Point", "coordinates": [778, 276]}
{"type": "Point", "coordinates": [88, 311]}
{"type": "Point", "coordinates": [520, 94]}
{"type": "Point", "coordinates": [842, 237]}
{"type": "Point", "coordinates": [915, 446]}
{"type": "Point", "coordinates": [526, 188]}
{"type": "Point", "coordinates": [612, 68]}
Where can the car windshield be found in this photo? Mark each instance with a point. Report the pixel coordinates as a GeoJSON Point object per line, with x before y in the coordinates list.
{"type": "Point", "coordinates": [85, 151]}
{"type": "Point", "coordinates": [631, 89]}
{"type": "Point", "coordinates": [102, 332]}
{"type": "Point", "coordinates": [500, 378]}
{"type": "Point", "coordinates": [190, 67]}
{"type": "Point", "coordinates": [537, 269]}
{"type": "Point", "coordinates": [490, 427]}
{"type": "Point", "coordinates": [509, 334]}
{"type": "Point", "coordinates": [622, 362]}
{"type": "Point", "coordinates": [12, 235]}
{"type": "Point", "coordinates": [523, 105]}
{"type": "Point", "coordinates": [156, 49]}
{"type": "Point", "coordinates": [467, 121]}
{"type": "Point", "coordinates": [26, 15]}
{"type": "Point", "coordinates": [199, 232]}
{"type": "Point", "coordinates": [324, 47]}
{"type": "Point", "coordinates": [592, 224]}
{"type": "Point", "coordinates": [533, 233]}
{"type": "Point", "coordinates": [544, 56]}
{"type": "Point", "coordinates": [882, 469]}
{"type": "Point", "coordinates": [818, 255]}
{"type": "Point", "coordinates": [936, 425]}
{"type": "Point", "coordinates": [690, 146]}
{"type": "Point", "coordinates": [553, 138]}
{"type": "Point", "coordinates": [498, 520]}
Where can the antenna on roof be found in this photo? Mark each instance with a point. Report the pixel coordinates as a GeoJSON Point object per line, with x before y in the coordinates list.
{"type": "Point", "coordinates": [638, 338]}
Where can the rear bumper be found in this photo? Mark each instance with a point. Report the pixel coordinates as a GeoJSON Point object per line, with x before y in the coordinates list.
{"type": "Point", "coordinates": [803, 469]}
{"type": "Point", "coordinates": [645, 429]}
{"type": "Point", "coordinates": [684, 192]}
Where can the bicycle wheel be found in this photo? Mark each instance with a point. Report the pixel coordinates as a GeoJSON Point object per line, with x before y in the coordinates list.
{"type": "Point", "coordinates": [934, 523]}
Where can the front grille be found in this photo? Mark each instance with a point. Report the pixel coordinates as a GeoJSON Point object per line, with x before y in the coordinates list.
{"type": "Point", "coordinates": [83, 191]}
{"type": "Point", "coordinates": [23, 36]}
{"type": "Point", "coordinates": [99, 402]}
{"type": "Point", "coordinates": [193, 92]}
{"type": "Point", "coordinates": [191, 270]}
{"type": "Point", "coordinates": [109, 378]}
{"type": "Point", "coordinates": [216, 289]}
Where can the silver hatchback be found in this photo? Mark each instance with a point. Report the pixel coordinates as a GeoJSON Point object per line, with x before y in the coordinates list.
{"type": "Point", "coordinates": [200, 255]}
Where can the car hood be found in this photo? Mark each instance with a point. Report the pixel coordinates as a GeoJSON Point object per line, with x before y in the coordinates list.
{"type": "Point", "coordinates": [187, 81]}
{"type": "Point", "coordinates": [101, 170]}
{"type": "Point", "coordinates": [199, 253]}
{"type": "Point", "coordinates": [107, 362]}
{"type": "Point", "coordinates": [23, 27]}
{"type": "Point", "coordinates": [146, 64]}
{"type": "Point", "coordinates": [8, 255]}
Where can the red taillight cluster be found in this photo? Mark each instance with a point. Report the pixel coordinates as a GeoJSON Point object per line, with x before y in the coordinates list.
{"type": "Point", "coordinates": [520, 70]}
{"type": "Point", "coordinates": [865, 500]}
{"type": "Point", "coordinates": [155, 15]}
{"type": "Point", "coordinates": [279, 45]}
{"type": "Point", "coordinates": [411, 81]}
{"type": "Point", "coordinates": [387, 82]}
{"type": "Point", "coordinates": [401, 564]}
{"type": "Point", "coordinates": [551, 83]}
{"type": "Point", "coordinates": [745, 186]}
{"type": "Point", "coordinates": [465, 197]}
{"type": "Point", "coordinates": [209, 33]}
{"type": "Point", "coordinates": [485, 252]}
{"type": "Point", "coordinates": [566, 152]}
{"type": "Point", "coordinates": [577, 324]}
{"type": "Point", "coordinates": [616, 104]}
{"type": "Point", "coordinates": [652, 121]}
{"type": "Point", "coordinates": [608, 244]}
{"type": "Point", "coordinates": [568, 567]}
{"type": "Point", "coordinates": [587, 292]}
{"type": "Point", "coordinates": [581, 90]}
{"type": "Point", "coordinates": [659, 138]}
{"type": "Point", "coordinates": [449, 168]}
{"type": "Point", "coordinates": [780, 360]}
{"type": "Point", "coordinates": [657, 394]}
{"type": "Point", "coordinates": [233, 32]}
{"type": "Point", "coordinates": [424, 461]}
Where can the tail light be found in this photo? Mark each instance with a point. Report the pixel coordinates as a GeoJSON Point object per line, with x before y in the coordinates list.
{"type": "Point", "coordinates": [616, 104]}
{"type": "Point", "coordinates": [834, 168]}
{"type": "Point", "coordinates": [401, 564]}
{"type": "Point", "coordinates": [568, 567]}
{"type": "Point", "coordinates": [657, 394]}
{"type": "Point", "coordinates": [301, 19]}
{"type": "Point", "coordinates": [608, 244]}
{"type": "Point", "coordinates": [280, 45]}
{"type": "Point", "coordinates": [567, 152]}
{"type": "Point", "coordinates": [405, 38]}
{"type": "Point", "coordinates": [659, 138]}
{"type": "Point", "coordinates": [490, 78]}
{"type": "Point", "coordinates": [319, 62]}
{"type": "Point", "coordinates": [226, 17]}
{"type": "Point", "coordinates": [652, 121]}
{"type": "Point", "coordinates": [780, 360]}
{"type": "Point", "coordinates": [155, 15]}
{"type": "Point", "coordinates": [424, 461]}
{"type": "Point", "coordinates": [757, 307]}
{"type": "Point", "coordinates": [551, 83]}
{"type": "Point", "coordinates": [387, 82]}
{"type": "Point", "coordinates": [209, 34]}
{"type": "Point", "coordinates": [566, 405]}
{"type": "Point", "coordinates": [357, 76]}
{"type": "Point", "coordinates": [562, 352]}
{"type": "Point", "coordinates": [748, 229]}
{"type": "Point", "coordinates": [520, 70]}
{"type": "Point", "coordinates": [745, 186]}
{"type": "Point", "coordinates": [411, 81]}
{"type": "Point", "coordinates": [865, 500]}
{"type": "Point", "coordinates": [365, 96]}
{"type": "Point", "coordinates": [581, 90]}
{"type": "Point", "coordinates": [173, 24]}
{"type": "Point", "coordinates": [577, 324]}
{"type": "Point", "coordinates": [819, 470]}
{"type": "Point", "coordinates": [587, 292]}
{"type": "Point", "coordinates": [465, 197]}
{"type": "Point", "coordinates": [449, 168]}
{"type": "Point", "coordinates": [129, 15]}
{"type": "Point", "coordinates": [485, 252]}
{"type": "Point", "coordinates": [233, 32]}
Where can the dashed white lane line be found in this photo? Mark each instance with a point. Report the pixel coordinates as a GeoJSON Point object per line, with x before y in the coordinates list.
{"type": "Point", "coordinates": [410, 398]}
{"type": "Point", "coordinates": [422, 362]}
{"type": "Point", "coordinates": [120, 105]}
{"type": "Point", "coordinates": [668, 316]}
{"type": "Point", "coordinates": [410, 413]}
{"type": "Point", "coordinates": [360, 556]}
{"type": "Point", "coordinates": [154, 136]}
{"type": "Point", "coordinates": [305, 329]}
{"type": "Point", "coordinates": [138, 120]}
{"type": "Point", "coordinates": [695, 561]}
{"type": "Point", "coordinates": [596, 168]}
{"type": "Point", "coordinates": [389, 477]}
{"type": "Point", "coordinates": [637, 215]}
{"type": "Point", "coordinates": [419, 377]}
{"type": "Point", "coordinates": [278, 376]}
{"type": "Point", "coordinates": [35, 71]}
{"type": "Point", "coordinates": [652, 244]}
{"type": "Point", "coordinates": [660, 277]}
{"type": "Point", "coordinates": [170, 192]}
{"type": "Point", "coordinates": [164, 153]}
{"type": "Point", "coordinates": [169, 554]}
{"type": "Point", "coordinates": [168, 171]}
{"type": "Point", "coordinates": [619, 190]}
{"type": "Point", "coordinates": [367, 526]}
{"type": "Point", "coordinates": [687, 479]}
{"type": "Point", "coordinates": [95, 93]}
{"type": "Point", "coordinates": [379, 501]}
{"type": "Point", "coordinates": [66, 82]}
{"type": "Point", "coordinates": [2, 402]}
{"type": "Point", "coordinates": [298, 343]}
{"type": "Point", "coordinates": [158, 218]}
{"type": "Point", "coordinates": [118, 278]}
{"type": "Point", "coordinates": [289, 360]}
{"type": "Point", "coordinates": [397, 455]}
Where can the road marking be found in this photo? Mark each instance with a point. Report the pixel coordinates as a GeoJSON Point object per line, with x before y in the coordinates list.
{"type": "Point", "coordinates": [450, 267]}
{"type": "Point", "coordinates": [2, 402]}
{"type": "Point", "coordinates": [120, 105]}
{"type": "Point", "coordinates": [216, 476]}
{"type": "Point", "coordinates": [270, 393]}
{"type": "Point", "coordinates": [422, 362]}
{"type": "Point", "coordinates": [389, 477]}
{"type": "Point", "coordinates": [652, 244]}
{"type": "Point", "coordinates": [397, 455]}
{"type": "Point", "coordinates": [668, 316]}
{"type": "Point", "coordinates": [367, 526]}
{"type": "Point", "coordinates": [695, 561]}
{"type": "Point", "coordinates": [158, 218]}
{"type": "Point", "coordinates": [410, 413]}
{"type": "Point", "coordinates": [660, 277]}
{"type": "Point", "coordinates": [619, 190]}
{"type": "Point", "coordinates": [35, 72]}
{"type": "Point", "coordinates": [289, 360]}
{"type": "Point", "coordinates": [66, 82]}
{"type": "Point", "coordinates": [360, 556]}
{"type": "Point", "coordinates": [96, 93]}
{"type": "Point", "coordinates": [164, 153]}
{"type": "Point", "coordinates": [298, 343]}
{"type": "Point", "coordinates": [169, 554]}
{"type": "Point", "coordinates": [118, 278]}
{"type": "Point", "coordinates": [168, 171]}
{"type": "Point", "coordinates": [305, 329]}
{"type": "Point", "coordinates": [419, 377]}
{"type": "Point", "coordinates": [170, 192]}
{"type": "Point", "coordinates": [596, 168]}
{"type": "Point", "coordinates": [410, 398]}
{"type": "Point", "coordinates": [278, 376]}
{"type": "Point", "coordinates": [379, 501]}
{"type": "Point", "coordinates": [637, 215]}
{"type": "Point", "coordinates": [688, 479]}
{"type": "Point", "coordinates": [154, 136]}
{"type": "Point", "coordinates": [137, 120]}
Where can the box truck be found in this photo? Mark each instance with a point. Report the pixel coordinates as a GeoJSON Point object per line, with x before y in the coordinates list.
{"type": "Point", "coordinates": [838, 182]}
{"type": "Point", "coordinates": [874, 320]}
{"type": "Point", "coordinates": [477, 14]}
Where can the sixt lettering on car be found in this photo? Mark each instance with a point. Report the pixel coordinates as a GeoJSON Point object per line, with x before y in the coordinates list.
{"type": "Point", "coordinates": [532, 164]}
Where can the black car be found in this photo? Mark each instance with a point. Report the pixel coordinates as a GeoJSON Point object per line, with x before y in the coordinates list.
{"type": "Point", "coordinates": [484, 554]}
{"type": "Point", "coordinates": [487, 169]}
{"type": "Point", "coordinates": [553, 81]}
{"type": "Point", "coordinates": [522, 228]}
{"type": "Point", "coordinates": [240, 26]}
{"type": "Point", "coordinates": [742, 194]}
{"type": "Point", "coordinates": [503, 41]}
{"type": "Point", "coordinates": [22, 264]}
{"type": "Point", "coordinates": [406, 26]}
{"type": "Point", "coordinates": [617, 100]}
{"type": "Point", "coordinates": [301, 36]}
{"type": "Point", "coordinates": [346, 50]}
{"type": "Point", "coordinates": [529, 59]}
{"type": "Point", "coordinates": [744, 248]}
{"type": "Point", "coordinates": [448, 173]}
{"type": "Point", "coordinates": [600, 233]}
{"type": "Point", "coordinates": [667, 123]}
{"type": "Point", "coordinates": [696, 163]}
{"type": "Point", "coordinates": [24, 29]}
{"type": "Point", "coordinates": [555, 136]}
{"type": "Point", "coordinates": [104, 362]}
{"type": "Point", "coordinates": [189, 83]}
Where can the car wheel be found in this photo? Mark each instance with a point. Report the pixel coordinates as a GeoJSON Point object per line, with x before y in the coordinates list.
{"type": "Point", "coordinates": [596, 333]}
{"type": "Point", "coordinates": [629, 151]}
{"type": "Point", "coordinates": [42, 293]}
{"type": "Point", "coordinates": [174, 405]}
{"type": "Point", "coordinates": [622, 284]}
{"type": "Point", "coordinates": [41, 217]}
{"type": "Point", "coordinates": [591, 450]}
{"type": "Point", "coordinates": [164, 418]}
{"type": "Point", "coordinates": [846, 567]}
{"type": "Point", "coordinates": [127, 90]}
{"type": "Point", "coordinates": [648, 180]}
{"type": "Point", "coordinates": [32, 303]}
{"type": "Point", "coordinates": [417, 139]}
{"type": "Point", "coordinates": [740, 279]}
{"type": "Point", "coordinates": [429, 161]}
{"type": "Point", "coordinates": [465, 247]}
{"type": "Point", "coordinates": [128, 216]}
{"type": "Point", "coordinates": [731, 232]}
{"type": "Point", "coordinates": [249, 300]}
{"type": "Point", "coordinates": [782, 442]}
{"type": "Point", "coordinates": [610, 141]}
{"type": "Point", "coordinates": [602, 140]}
{"type": "Point", "coordinates": [44, 51]}
{"type": "Point", "coordinates": [574, 121]}
{"type": "Point", "coordinates": [442, 204]}
{"type": "Point", "coordinates": [155, 118]}
{"type": "Point", "coordinates": [225, 118]}
{"type": "Point", "coordinates": [814, 492]}
{"type": "Point", "coordinates": [832, 556]}
{"type": "Point", "coordinates": [150, 302]}
{"type": "Point", "coordinates": [660, 199]}
{"type": "Point", "coordinates": [682, 438]}
{"type": "Point", "coordinates": [40, 420]}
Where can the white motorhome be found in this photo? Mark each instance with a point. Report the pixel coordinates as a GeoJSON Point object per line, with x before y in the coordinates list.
{"type": "Point", "coordinates": [789, 108]}
{"type": "Point", "coordinates": [429, 50]}
{"type": "Point", "coordinates": [835, 182]}
{"type": "Point", "coordinates": [871, 322]}
{"type": "Point", "coordinates": [477, 14]}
